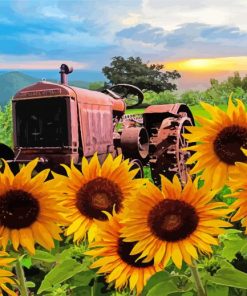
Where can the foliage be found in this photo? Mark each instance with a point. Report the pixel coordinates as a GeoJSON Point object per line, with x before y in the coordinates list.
{"type": "Point", "coordinates": [135, 71]}
{"type": "Point", "coordinates": [6, 124]}
{"type": "Point", "coordinates": [219, 92]}
{"type": "Point", "coordinates": [191, 97]}
{"type": "Point", "coordinates": [165, 97]}
{"type": "Point", "coordinates": [96, 85]}
{"type": "Point", "coordinates": [65, 270]}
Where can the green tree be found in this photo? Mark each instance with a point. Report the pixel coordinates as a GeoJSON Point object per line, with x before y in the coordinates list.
{"type": "Point", "coordinates": [166, 97]}
{"type": "Point", "coordinates": [235, 80]}
{"type": "Point", "coordinates": [244, 83]}
{"type": "Point", "coordinates": [96, 85]}
{"type": "Point", "coordinates": [191, 97]}
{"type": "Point", "coordinates": [6, 124]}
{"type": "Point", "coordinates": [135, 71]}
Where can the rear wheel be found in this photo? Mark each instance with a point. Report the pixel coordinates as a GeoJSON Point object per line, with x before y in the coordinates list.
{"type": "Point", "coordinates": [168, 158]}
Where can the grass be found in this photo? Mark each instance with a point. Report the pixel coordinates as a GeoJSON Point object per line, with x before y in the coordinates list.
{"type": "Point", "coordinates": [196, 110]}
{"type": "Point", "coordinates": [199, 111]}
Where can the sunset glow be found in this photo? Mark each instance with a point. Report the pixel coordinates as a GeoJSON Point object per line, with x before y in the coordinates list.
{"type": "Point", "coordinates": [209, 65]}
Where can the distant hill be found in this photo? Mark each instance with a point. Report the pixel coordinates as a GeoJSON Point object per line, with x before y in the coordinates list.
{"type": "Point", "coordinates": [11, 82]}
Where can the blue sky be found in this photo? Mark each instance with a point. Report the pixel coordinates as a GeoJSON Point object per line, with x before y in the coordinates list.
{"type": "Point", "coordinates": [88, 33]}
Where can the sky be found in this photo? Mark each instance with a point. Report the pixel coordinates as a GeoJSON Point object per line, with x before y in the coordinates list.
{"type": "Point", "coordinates": [199, 38]}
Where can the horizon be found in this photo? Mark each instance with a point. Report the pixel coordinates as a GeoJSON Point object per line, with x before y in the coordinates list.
{"type": "Point", "coordinates": [200, 40]}
{"type": "Point", "coordinates": [96, 76]}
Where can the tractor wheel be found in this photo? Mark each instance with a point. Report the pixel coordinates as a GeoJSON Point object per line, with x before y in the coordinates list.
{"type": "Point", "coordinates": [8, 154]}
{"type": "Point", "coordinates": [168, 158]}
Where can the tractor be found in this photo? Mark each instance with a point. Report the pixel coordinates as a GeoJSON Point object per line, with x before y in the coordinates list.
{"type": "Point", "coordinates": [59, 123]}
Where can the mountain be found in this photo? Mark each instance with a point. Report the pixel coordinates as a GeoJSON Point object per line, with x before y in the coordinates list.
{"type": "Point", "coordinates": [11, 82]}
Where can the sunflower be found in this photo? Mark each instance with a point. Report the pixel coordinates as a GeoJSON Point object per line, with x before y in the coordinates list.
{"type": "Point", "coordinates": [116, 262]}
{"type": "Point", "coordinates": [29, 209]}
{"type": "Point", "coordinates": [5, 275]}
{"type": "Point", "coordinates": [221, 141]}
{"type": "Point", "coordinates": [173, 222]}
{"type": "Point", "coordinates": [95, 189]}
{"type": "Point", "coordinates": [238, 184]}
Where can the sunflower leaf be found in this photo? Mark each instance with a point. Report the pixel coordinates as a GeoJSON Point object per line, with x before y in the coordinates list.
{"type": "Point", "coordinates": [229, 277]}
{"type": "Point", "coordinates": [60, 273]}
{"type": "Point", "coordinates": [162, 283]}
{"type": "Point", "coordinates": [44, 256]}
{"type": "Point", "coordinates": [154, 280]}
{"type": "Point", "coordinates": [231, 249]}
{"type": "Point", "coordinates": [218, 290]}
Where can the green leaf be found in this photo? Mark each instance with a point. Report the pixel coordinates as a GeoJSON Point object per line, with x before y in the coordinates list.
{"type": "Point", "coordinates": [30, 284]}
{"type": "Point", "coordinates": [61, 273]}
{"type": "Point", "coordinates": [163, 288]}
{"type": "Point", "coordinates": [213, 290]}
{"type": "Point", "coordinates": [44, 256]}
{"type": "Point", "coordinates": [229, 277]}
{"type": "Point", "coordinates": [82, 278]}
{"type": "Point", "coordinates": [162, 283]}
{"type": "Point", "coordinates": [243, 250]}
{"type": "Point", "coordinates": [230, 234]}
{"type": "Point", "coordinates": [154, 280]}
{"type": "Point", "coordinates": [65, 254]}
{"type": "Point", "coordinates": [26, 262]}
{"type": "Point", "coordinates": [82, 291]}
{"type": "Point", "coordinates": [231, 248]}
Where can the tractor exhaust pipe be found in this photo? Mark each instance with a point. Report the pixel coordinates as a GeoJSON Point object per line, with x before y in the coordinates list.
{"type": "Point", "coordinates": [64, 71]}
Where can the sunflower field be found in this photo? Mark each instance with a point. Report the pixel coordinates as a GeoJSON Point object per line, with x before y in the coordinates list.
{"type": "Point", "coordinates": [99, 230]}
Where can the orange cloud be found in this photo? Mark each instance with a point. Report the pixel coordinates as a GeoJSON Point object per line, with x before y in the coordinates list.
{"type": "Point", "coordinates": [209, 65]}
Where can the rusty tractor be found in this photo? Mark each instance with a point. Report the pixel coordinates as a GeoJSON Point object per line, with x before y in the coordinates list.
{"type": "Point", "coordinates": [58, 123]}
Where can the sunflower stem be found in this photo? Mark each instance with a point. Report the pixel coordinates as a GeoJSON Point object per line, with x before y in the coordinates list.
{"type": "Point", "coordinates": [21, 277]}
{"type": "Point", "coordinates": [195, 273]}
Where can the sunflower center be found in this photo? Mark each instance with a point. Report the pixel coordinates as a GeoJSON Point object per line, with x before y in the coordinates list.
{"type": "Point", "coordinates": [228, 143]}
{"type": "Point", "coordinates": [124, 249]}
{"type": "Point", "coordinates": [101, 201]}
{"type": "Point", "coordinates": [18, 209]}
{"type": "Point", "coordinates": [99, 194]}
{"type": "Point", "coordinates": [172, 220]}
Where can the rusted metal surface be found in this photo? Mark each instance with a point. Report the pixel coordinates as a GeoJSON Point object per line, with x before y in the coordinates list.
{"type": "Point", "coordinates": [135, 142]}
{"type": "Point", "coordinates": [59, 123]}
{"type": "Point", "coordinates": [166, 155]}
{"type": "Point", "coordinates": [96, 128]}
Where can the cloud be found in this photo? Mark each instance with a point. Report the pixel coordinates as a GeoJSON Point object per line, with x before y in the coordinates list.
{"type": "Point", "coordinates": [31, 62]}
{"type": "Point", "coordinates": [143, 32]}
{"type": "Point", "coordinates": [189, 40]}
{"type": "Point", "coordinates": [52, 12]}
{"type": "Point", "coordinates": [170, 14]}
{"type": "Point", "coordinates": [92, 32]}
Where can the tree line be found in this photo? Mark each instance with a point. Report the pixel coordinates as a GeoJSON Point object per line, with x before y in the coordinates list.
{"type": "Point", "coordinates": [159, 87]}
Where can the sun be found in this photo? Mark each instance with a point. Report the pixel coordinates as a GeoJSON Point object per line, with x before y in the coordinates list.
{"type": "Point", "coordinates": [198, 64]}
{"type": "Point", "coordinates": [212, 65]}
